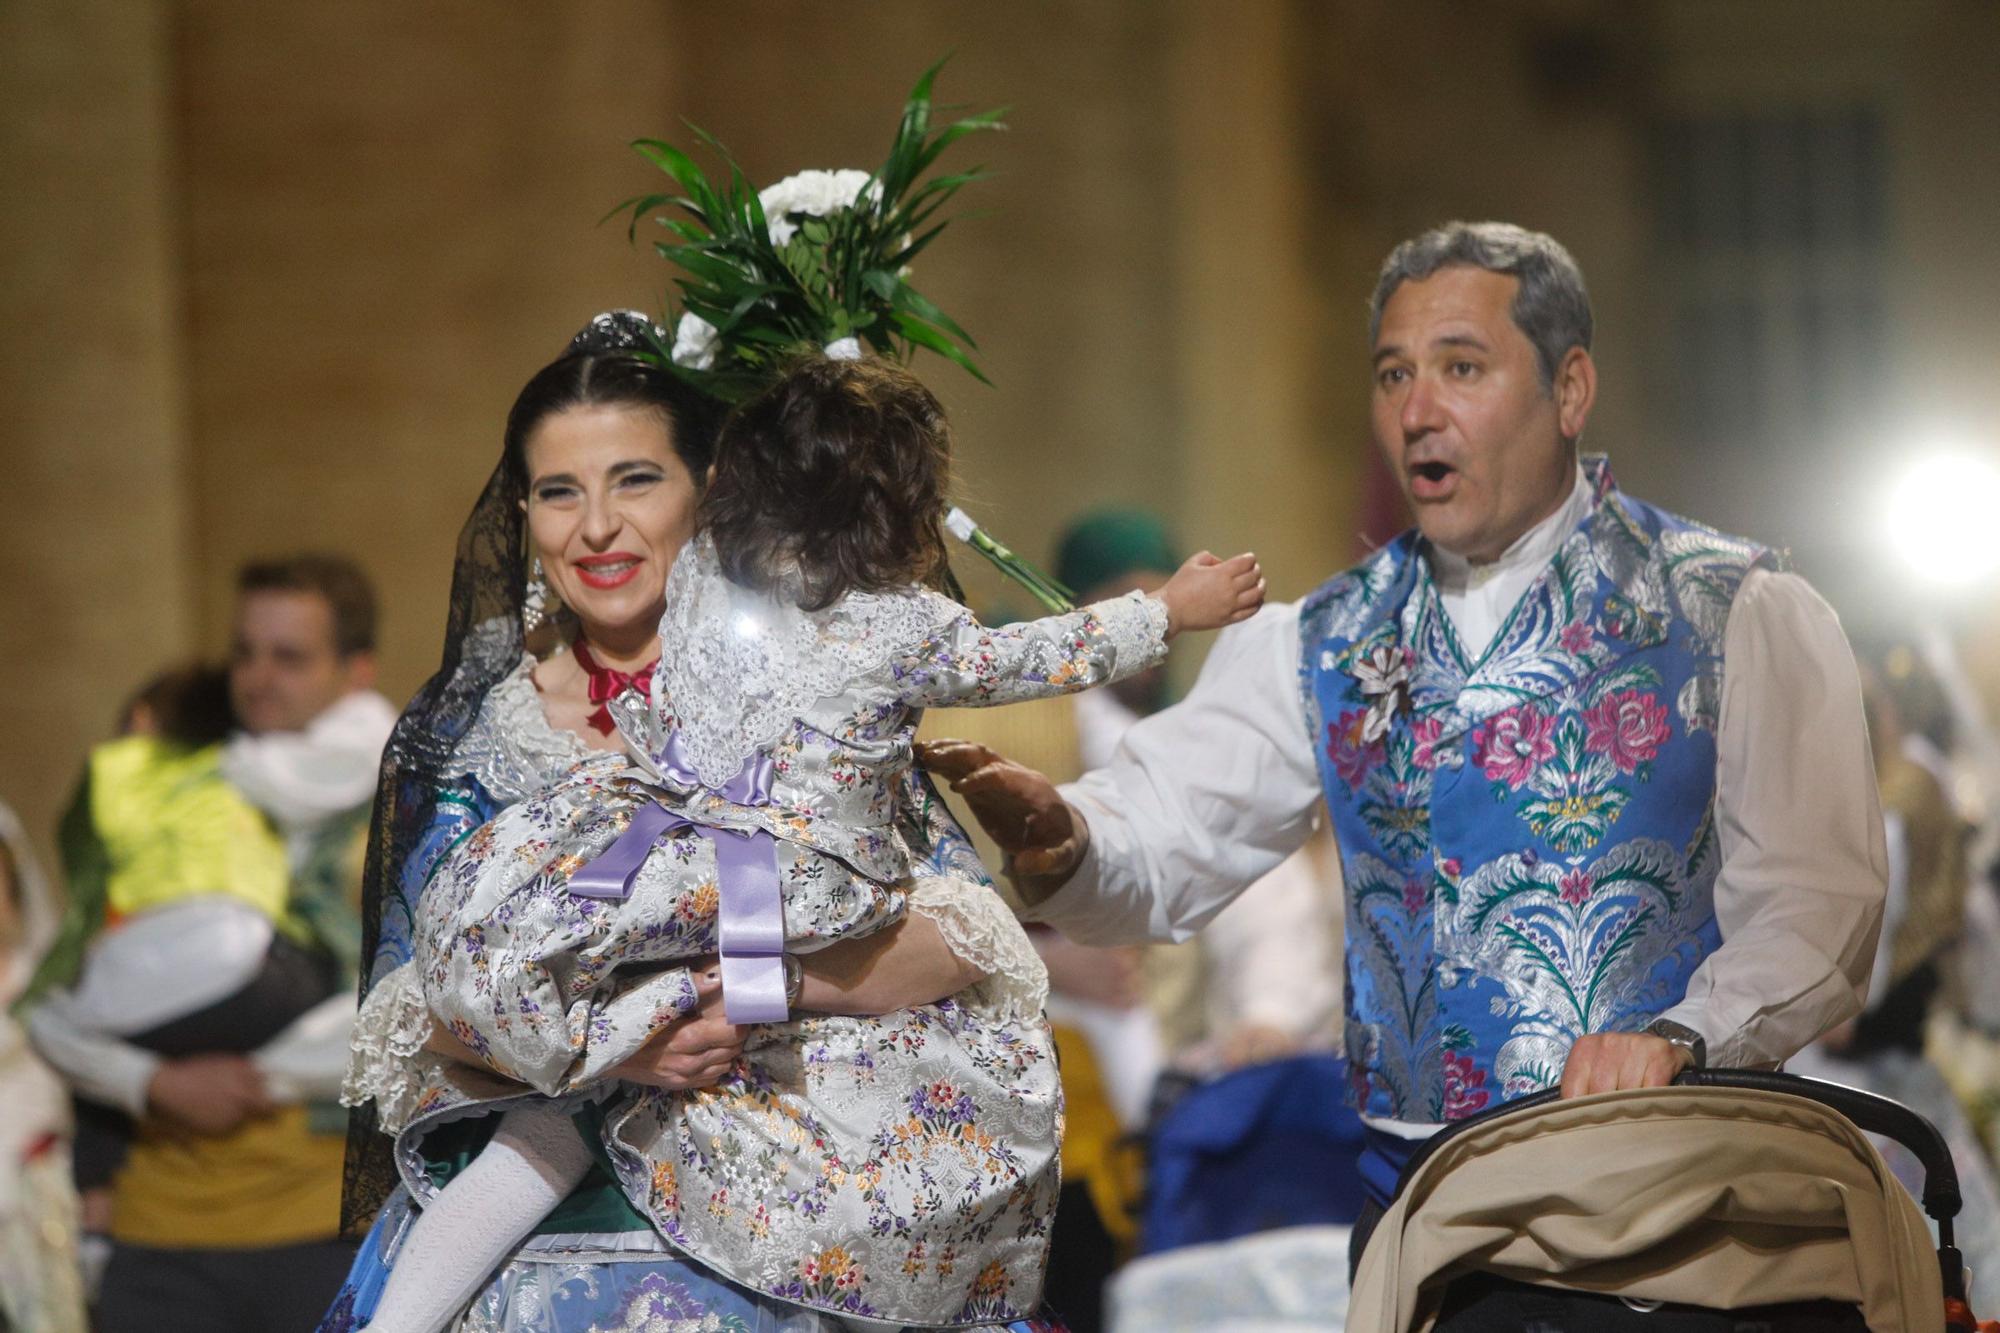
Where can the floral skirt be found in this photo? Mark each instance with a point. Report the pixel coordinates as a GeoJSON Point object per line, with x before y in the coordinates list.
{"type": "Point", "coordinates": [623, 1283]}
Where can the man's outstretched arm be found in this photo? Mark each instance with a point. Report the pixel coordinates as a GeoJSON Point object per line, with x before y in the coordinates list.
{"type": "Point", "coordinates": [1200, 801]}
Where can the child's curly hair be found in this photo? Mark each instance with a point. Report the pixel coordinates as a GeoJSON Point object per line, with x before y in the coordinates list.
{"type": "Point", "coordinates": [832, 481]}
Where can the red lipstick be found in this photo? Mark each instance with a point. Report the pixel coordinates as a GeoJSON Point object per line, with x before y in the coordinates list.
{"type": "Point", "coordinates": [613, 569]}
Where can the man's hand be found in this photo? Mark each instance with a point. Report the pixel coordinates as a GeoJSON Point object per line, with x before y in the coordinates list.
{"type": "Point", "coordinates": [208, 1094]}
{"type": "Point", "coordinates": [1612, 1061]}
{"type": "Point", "coordinates": [1042, 834]}
{"type": "Point", "coordinates": [696, 1051]}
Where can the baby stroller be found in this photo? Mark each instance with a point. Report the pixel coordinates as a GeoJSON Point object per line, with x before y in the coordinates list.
{"type": "Point", "coordinates": [1734, 1200]}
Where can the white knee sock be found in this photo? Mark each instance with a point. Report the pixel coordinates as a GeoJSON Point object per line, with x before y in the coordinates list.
{"type": "Point", "coordinates": [474, 1224]}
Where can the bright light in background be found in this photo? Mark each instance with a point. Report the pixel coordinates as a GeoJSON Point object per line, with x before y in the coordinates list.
{"type": "Point", "coordinates": [1944, 518]}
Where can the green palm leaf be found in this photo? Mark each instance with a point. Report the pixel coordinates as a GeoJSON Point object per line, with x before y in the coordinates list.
{"type": "Point", "coordinates": [838, 276]}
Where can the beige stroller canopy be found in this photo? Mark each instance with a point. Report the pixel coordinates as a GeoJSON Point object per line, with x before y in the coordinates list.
{"type": "Point", "coordinates": [1711, 1196]}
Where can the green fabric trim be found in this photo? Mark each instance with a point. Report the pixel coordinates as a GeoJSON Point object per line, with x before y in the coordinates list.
{"type": "Point", "coordinates": [322, 910]}
{"type": "Point", "coordinates": [86, 872]}
{"type": "Point", "coordinates": [597, 1204]}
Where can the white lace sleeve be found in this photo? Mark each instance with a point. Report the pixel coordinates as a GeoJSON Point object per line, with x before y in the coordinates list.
{"type": "Point", "coordinates": [389, 1035]}
{"type": "Point", "coordinates": [969, 664]}
{"type": "Point", "coordinates": [978, 926]}
{"type": "Point", "coordinates": [738, 665]}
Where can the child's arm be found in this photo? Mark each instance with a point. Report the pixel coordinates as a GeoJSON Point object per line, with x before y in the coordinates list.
{"type": "Point", "coordinates": [967, 664]}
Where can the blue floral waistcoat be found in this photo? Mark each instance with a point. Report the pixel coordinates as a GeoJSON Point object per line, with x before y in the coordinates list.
{"type": "Point", "coordinates": [1528, 840]}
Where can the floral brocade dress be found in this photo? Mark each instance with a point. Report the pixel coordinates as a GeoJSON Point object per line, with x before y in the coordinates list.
{"type": "Point", "coordinates": [862, 1171]}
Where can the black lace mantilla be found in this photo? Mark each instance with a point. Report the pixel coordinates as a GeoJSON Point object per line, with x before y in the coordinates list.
{"type": "Point", "coordinates": [483, 642]}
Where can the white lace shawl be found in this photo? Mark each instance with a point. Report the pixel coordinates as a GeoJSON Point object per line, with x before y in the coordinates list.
{"type": "Point", "coordinates": [738, 666]}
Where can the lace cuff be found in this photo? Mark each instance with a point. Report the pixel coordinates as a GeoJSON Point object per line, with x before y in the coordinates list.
{"type": "Point", "coordinates": [1135, 626]}
{"type": "Point", "coordinates": [978, 926]}
{"type": "Point", "coordinates": [389, 1034]}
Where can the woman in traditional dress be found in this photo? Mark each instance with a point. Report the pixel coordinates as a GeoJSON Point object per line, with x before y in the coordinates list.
{"type": "Point", "coordinates": [41, 1285]}
{"type": "Point", "coordinates": [497, 725]}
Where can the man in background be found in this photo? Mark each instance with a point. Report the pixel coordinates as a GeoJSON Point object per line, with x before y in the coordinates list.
{"type": "Point", "coordinates": [229, 870]}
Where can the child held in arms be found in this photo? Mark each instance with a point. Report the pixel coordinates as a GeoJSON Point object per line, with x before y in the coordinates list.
{"type": "Point", "coordinates": [901, 1168]}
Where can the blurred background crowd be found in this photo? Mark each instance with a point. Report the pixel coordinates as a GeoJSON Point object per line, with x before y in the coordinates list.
{"type": "Point", "coordinates": [276, 272]}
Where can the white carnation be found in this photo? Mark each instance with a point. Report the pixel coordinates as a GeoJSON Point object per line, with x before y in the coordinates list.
{"type": "Point", "coordinates": [844, 349]}
{"type": "Point", "coordinates": [815, 193]}
{"type": "Point", "coordinates": [694, 342]}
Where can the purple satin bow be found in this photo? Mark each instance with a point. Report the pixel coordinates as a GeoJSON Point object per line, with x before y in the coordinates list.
{"type": "Point", "coordinates": [750, 916]}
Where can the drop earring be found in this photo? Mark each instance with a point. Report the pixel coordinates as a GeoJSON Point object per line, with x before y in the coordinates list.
{"type": "Point", "coordinates": [535, 602]}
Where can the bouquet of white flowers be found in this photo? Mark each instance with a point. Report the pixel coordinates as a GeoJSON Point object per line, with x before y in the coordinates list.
{"type": "Point", "coordinates": [821, 259]}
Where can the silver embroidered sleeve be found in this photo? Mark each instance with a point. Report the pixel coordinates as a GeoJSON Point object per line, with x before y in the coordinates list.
{"type": "Point", "coordinates": [969, 664]}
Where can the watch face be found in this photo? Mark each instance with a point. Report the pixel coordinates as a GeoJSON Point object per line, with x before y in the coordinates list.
{"type": "Point", "coordinates": [1682, 1036]}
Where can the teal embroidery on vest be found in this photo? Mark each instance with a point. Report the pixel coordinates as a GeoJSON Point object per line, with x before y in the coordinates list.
{"type": "Point", "coordinates": [1528, 838]}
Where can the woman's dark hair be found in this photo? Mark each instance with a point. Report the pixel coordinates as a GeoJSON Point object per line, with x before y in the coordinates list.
{"type": "Point", "coordinates": [600, 370]}
{"type": "Point", "coordinates": [834, 476]}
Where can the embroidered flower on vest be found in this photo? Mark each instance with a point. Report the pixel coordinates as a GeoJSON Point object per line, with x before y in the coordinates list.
{"type": "Point", "coordinates": [1349, 747]}
{"type": "Point", "coordinates": [1463, 1093]}
{"type": "Point", "coordinates": [1627, 727]}
{"type": "Point", "coordinates": [1575, 886]}
{"type": "Point", "coordinates": [1425, 732]}
{"type": "Point", "coordinates": [1510, 746]}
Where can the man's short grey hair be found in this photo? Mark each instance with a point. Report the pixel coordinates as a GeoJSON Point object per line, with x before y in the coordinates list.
{"type": "Point", "coordinates": [1552, 307]}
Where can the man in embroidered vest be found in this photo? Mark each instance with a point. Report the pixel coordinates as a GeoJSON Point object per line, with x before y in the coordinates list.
{"type": "Point", "coordinates": [1599, 774]}
{"type": "Point", "coordinates": [205, 981]}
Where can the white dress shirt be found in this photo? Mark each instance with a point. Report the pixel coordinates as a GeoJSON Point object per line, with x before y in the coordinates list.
{"type": "Point", "coordinates": [1206, 797]}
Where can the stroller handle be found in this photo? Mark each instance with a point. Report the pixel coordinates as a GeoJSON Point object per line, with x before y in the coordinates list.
{"type": "Point", "coordinates": [1878, 1115]}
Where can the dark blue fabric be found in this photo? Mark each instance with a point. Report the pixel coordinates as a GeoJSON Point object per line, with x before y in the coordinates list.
{"type": "Point", "coordinates": [1269, 1146]}
{"type": "Point", "coordinates": [1383, 1157]}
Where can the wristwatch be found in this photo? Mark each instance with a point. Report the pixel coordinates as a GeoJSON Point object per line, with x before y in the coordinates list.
{"type": "Point", "coordinates": [795, 979]}
{"type": "Point", "coordinates": [1683, 1036]}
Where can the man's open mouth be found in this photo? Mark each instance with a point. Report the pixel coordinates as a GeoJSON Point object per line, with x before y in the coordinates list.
{"type": "Point", "coordinates": [1432, 480]}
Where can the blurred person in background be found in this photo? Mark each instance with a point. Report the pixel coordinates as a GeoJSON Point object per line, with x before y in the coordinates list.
{"type": "Point", "coordinates": [41, 1285]}
{"type": "Point", "coordinates": [1548, 717]}
{"type": "Point", "coordinates": [1892, 1046]}
{"type": "Point", "coordinates": [201, 991]}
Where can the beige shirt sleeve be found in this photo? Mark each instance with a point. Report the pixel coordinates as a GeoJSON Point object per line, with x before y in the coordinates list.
{"type": "Point", "coordinates": [1804, 870]}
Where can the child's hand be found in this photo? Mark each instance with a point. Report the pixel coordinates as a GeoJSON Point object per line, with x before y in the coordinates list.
{"type": "Point", "coordinates": [1207, 593]}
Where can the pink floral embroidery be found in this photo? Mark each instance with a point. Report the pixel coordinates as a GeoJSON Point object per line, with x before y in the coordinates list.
{"type": "Point", "coordinates": [1578, 637]}
{"type": "Point", "coordinates": [1348, 745]}
{"type": "Point", "coordinates": [1414, 894]}
{"type": "Point", "coordinates": [1425, 732]}
{"type": "Point", "coordinates": [1513, 744]}
{"type": "Point", "coordinates": [1463, 1093]}
{"type": "Point", "coordinates": [1450, 867]}
{"type": "Point", "coordinates": [1575, 887]}
{"type": "Point", "coordinates": [1628, 727]}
